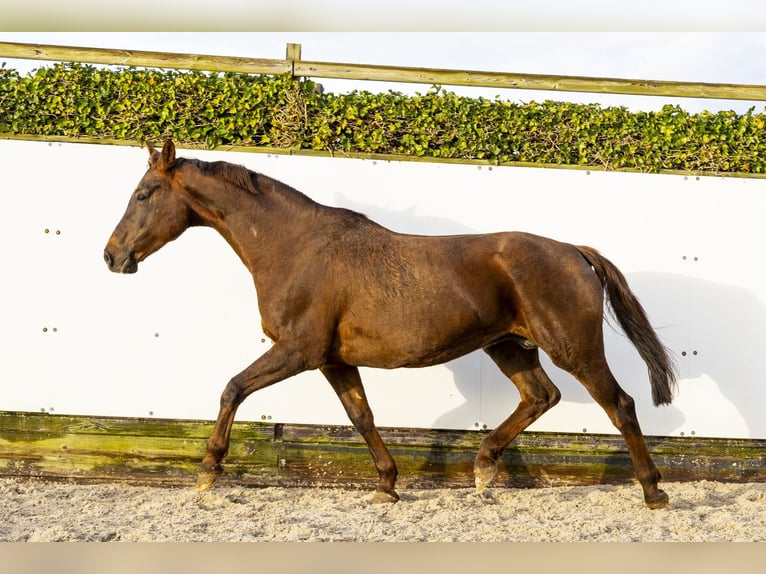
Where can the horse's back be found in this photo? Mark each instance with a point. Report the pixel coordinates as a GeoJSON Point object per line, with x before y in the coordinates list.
{"type": "Point", "coordinates": [429, 299]}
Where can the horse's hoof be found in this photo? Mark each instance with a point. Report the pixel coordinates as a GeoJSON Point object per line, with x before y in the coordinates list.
{"type": "Point", "coordinates": [483, 474]}
{"type": "Point", "coordinates": [205, 480]}
{"type": "Point", "coordinates": [381, 497]}
{"type": "Point", "coordinates": [659, 500]}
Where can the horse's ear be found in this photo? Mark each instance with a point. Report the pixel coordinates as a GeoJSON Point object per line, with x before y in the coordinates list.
{"type": "Point", "coordinates": [153, 153]}
{"type": "Point", "coordinates": [162, 160]}
{"type": "Point", "coordinates": [168, 154]}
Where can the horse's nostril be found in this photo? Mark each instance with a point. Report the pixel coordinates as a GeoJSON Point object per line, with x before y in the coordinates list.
{"type": "Point", "coordinates": [107, 258]}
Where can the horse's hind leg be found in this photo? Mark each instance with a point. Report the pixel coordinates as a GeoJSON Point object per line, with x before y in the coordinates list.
{"type": "Point", "coordinates": [620, 407]}
{"type": "Point", "coordinates": [347, 383]}
{"type": "Point", "coordinates": [538, 394]}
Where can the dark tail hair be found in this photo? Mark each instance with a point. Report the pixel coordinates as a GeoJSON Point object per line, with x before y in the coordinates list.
{"type": "Point", "coordinates": [632, 318]}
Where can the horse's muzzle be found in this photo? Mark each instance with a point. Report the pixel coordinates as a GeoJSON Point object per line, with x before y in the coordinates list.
{"type": "Point", "coordinates": [127, 265]}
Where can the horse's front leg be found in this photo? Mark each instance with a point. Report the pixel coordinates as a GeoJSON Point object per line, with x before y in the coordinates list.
{"type": "Point", "coordinates": [277, 364]}
{"type": "Point", "coordinates": [347, 383]}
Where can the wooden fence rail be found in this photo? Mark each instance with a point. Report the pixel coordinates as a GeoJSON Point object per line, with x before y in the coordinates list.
{"type": "Point", "coordinates": [301, 68]}
{"type": "Point", "coordinates": [155, 451]}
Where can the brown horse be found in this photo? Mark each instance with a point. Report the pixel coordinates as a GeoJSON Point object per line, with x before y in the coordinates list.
{"type": "Point", "coordinates": [337, 291]}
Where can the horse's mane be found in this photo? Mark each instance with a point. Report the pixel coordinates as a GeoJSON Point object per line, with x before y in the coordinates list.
{"type": "Point", "coordinates": [235, 174]}
{"type": "Point", "coordinates": [257, 183]}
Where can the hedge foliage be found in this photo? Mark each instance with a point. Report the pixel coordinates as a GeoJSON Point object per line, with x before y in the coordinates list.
{"type": "Point", "coordinates": [212, 109]}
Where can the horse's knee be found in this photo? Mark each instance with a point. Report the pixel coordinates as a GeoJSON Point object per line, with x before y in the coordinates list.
{"type": "Point", "coordinates": [232, 394]}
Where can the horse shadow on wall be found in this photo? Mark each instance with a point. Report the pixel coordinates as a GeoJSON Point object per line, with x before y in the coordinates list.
{"type": "Point", "coordinates": [715, 336]}
{"type": "Point", "coordinates": [719, 346]}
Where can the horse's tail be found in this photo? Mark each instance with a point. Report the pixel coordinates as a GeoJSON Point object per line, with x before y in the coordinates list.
{"type": "Point", "coordinates": [634, 322]}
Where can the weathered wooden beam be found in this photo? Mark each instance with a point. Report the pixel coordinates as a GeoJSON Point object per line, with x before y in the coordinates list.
{"type": "Point", "coordinates": [151, 451]}
{"type": "Point", "coordinates": [547, 82]}
{"type": "Point", "coordinates": [142, 58]}
{"type": "Point", "coordinates": [299, 68]}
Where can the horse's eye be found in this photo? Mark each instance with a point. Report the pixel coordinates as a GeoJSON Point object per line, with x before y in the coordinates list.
{"type": "Point", "coordinates": [142, 196]}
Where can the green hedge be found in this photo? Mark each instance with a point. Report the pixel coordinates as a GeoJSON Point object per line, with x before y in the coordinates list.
{"type": "Point", "coordinates": [211, 109]}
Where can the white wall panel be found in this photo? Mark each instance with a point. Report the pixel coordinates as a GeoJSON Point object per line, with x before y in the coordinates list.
{"type": "Point", "coordinates": [78, 339]}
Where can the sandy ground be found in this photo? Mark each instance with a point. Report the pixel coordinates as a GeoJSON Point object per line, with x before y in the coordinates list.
{"type": "Point", "coordinates": [699, 511]}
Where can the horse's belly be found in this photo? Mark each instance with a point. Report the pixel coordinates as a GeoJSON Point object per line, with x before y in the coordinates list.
{"type": "Point", "coordinates": [411, 344]}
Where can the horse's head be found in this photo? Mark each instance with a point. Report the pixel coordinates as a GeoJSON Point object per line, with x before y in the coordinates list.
{"type": "Point", "coordinates": [156, 214]}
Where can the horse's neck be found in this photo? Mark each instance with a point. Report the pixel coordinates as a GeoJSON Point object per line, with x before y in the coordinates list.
{"type": "Point", "coordinates": [262, 227]}
{"type": "Point", "coordinates": [286, 197]}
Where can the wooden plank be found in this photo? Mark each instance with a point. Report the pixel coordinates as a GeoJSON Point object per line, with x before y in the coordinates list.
{"type": "Point", "coordinates": [300, 68]}
{"type": "Point", "coordinates": [86, 448]}
{"type": "Point", "coordinates": [428, 458]}
{"type": "Point", "coordinates": [293, 52]}
{"type": "Point", "coordinates": [547, 82]}
{"type": "Point", "coordinates": [133, 450]}
{"type": "Point", "coordinates": [144, 58]}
